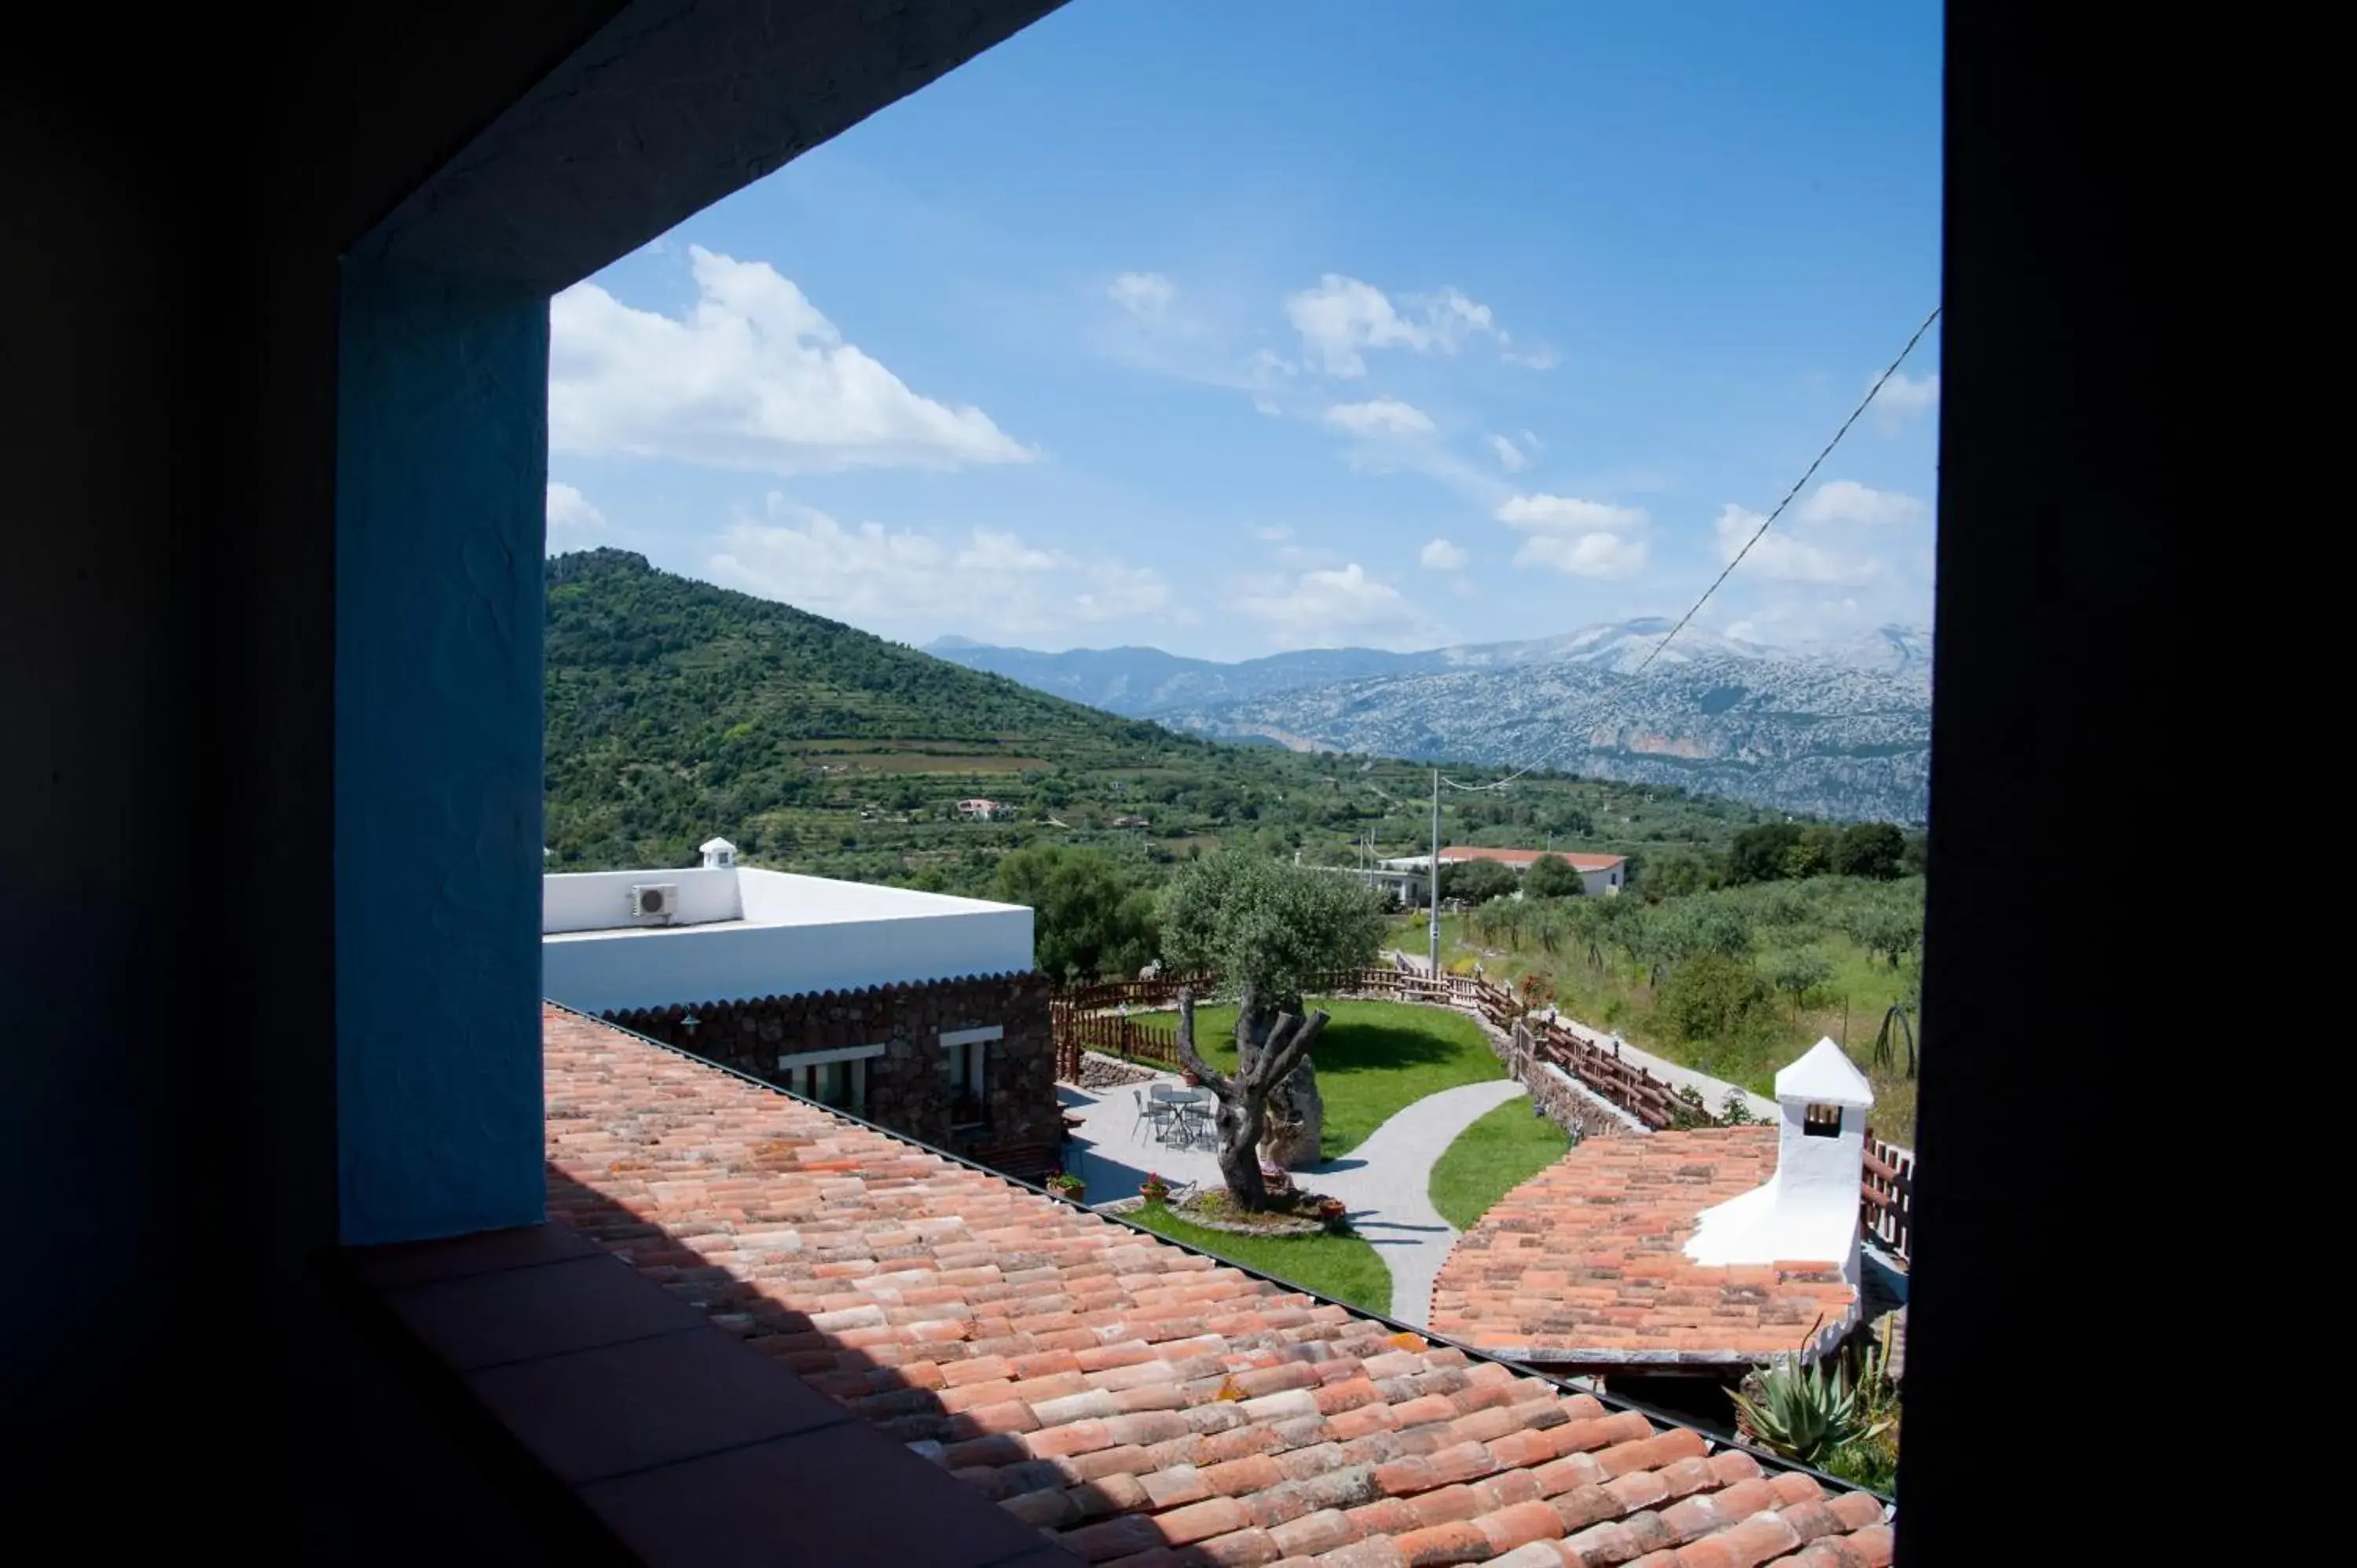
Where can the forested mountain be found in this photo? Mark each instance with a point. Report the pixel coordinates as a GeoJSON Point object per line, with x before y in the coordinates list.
{"type": "Point", "coordinates": [676, 710]}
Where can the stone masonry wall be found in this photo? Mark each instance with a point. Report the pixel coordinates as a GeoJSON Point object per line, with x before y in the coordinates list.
{"type": "Point", "coordinates": [907, 1086]}
{"type": "Point", "coordinates": [1567, 1102]}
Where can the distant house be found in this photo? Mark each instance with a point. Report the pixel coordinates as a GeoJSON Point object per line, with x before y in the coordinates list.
{"type": "Point", "coordinates": [1599, 874]}
{"type": "Point", "coordinates": [979, 810]}
{"type": "Point", "coordinates": [1129, 822]}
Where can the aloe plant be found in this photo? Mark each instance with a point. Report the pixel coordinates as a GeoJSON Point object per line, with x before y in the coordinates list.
{"type": "Point", "coordinates": [1804, 1413]}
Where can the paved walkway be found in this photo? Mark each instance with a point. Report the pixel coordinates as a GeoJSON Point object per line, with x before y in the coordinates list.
{"type": "Point", "coordinates": [1386, 1181]}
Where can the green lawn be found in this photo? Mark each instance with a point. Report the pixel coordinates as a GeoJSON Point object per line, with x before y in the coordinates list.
{"type": "Point", "coordinates": [1614, 995]}
{"type": "Point", "coordinates": [1374, 1059]}
{"type": "Point", "coordinates": [1491, 1158]}
{"type": "Point", "coordinates": [1343, 1267]}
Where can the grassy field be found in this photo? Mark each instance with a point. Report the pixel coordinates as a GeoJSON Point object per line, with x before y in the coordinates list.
{"type": "Point", "coordinates": [1491, 1158]}
{"type": "Point", "coordinates": [1376, 1059]}
{"type": "Point", "coordinates": [1613, 994]}
{"type": "Point", "coordinates": [1343, 1267]}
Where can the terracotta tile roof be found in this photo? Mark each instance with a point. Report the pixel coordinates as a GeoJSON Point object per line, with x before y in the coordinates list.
{"type": "Point", "coordinates": [1526, 858]}
{"type": "Point", "coordinates": [1583, 1264]}
{"type": "Point", "coordinates": [1138, 1403]}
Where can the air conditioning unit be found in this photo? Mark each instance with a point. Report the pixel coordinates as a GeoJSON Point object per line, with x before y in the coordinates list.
{"type": "Point", "coordinates": [654, 903]}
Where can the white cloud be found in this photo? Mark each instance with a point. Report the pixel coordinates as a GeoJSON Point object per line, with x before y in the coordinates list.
{"type": "Point", "coordinates": [752, 377]}
{"type": "Point", "coordinates": [1382, 417]}
{"type": "Point", "coordinates": [1845, 535]}
{"type": "Point", "coordinates": [1342, 317]}
{"type": "Point", "coordinates": [1142, 293]}
{"type": "Point", "coordinates": [1566, 514]}
{"type": "Point", "coordinates": [1903, 397]}
{"type": "Point", "coordinates": [1275, 534]}
{"type": "Point", "coordinates": [1442, 556]}
{"type": "Point", "coordinates": [1581, 538]}
{"type": "Point", "coordinates": [1607, 556]}
{"type": "Point", "coordinates": [1295, 557]}
{"type": "Point", "coordinates": [1510, 457]}
{"type": "Point", "coordinates": [1847, 501]}
{"type": "Point", "coordinates": [1539, 359]}
{"type": "Point", "coordinates": [914, 584]}
{"type": "Point", "coordinates": [1785, 557]}
{"type": "Point", "coordinates": [1333, 607]}
{"type": "Point", "coordinates": [573, 522]}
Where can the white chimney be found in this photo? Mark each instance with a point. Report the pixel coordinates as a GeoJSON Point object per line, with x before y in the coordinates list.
{"type": "Point", "coordinates": [717, 853]}
{"type": "Point", "coordinates": [1808, 1209]}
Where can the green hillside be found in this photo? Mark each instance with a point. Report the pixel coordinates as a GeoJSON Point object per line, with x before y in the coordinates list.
{"type": "Point", "coordinates": [677, 710]}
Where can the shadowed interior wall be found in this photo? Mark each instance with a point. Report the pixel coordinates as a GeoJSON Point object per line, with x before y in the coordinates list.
{"type": "Point", "coordinates": [442, 476]}
{"type": "Point", "coordinates": [182, 189]}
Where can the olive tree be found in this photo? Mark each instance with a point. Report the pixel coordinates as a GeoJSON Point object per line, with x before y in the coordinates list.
{"type": "Point", "coordinates": [1243, 1119]}
{"type": "Point", "coordinates": [1800, 972]}
{"type": "Point", "coordinates": [1268, 930]}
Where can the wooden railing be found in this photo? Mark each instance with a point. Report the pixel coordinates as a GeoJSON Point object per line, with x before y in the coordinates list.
{"type": "Point", "coordinates": [1149, 996]}
{"type": "Point", "coordinates": [1110, 1033]}
{"type": "Point", "coordinates": [1886, 1197]}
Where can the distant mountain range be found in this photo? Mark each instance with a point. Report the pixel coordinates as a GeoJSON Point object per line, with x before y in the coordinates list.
{"type": "Point", "coordinates": [1841, 727]}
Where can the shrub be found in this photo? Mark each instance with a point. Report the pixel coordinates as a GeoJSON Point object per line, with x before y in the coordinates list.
{"type": "Point", "coordinates": [1552, 877]}
{"type": "Point", "coordinates": [1710, 997]}
{"type": "Point", "coordinates": [1478, 881]}
{"type": "Point", "coordinates": [1804, 1413]}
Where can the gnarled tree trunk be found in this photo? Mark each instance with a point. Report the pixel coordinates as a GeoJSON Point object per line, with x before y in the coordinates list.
{"type": "Point", "coordinates": [1262, 1065]}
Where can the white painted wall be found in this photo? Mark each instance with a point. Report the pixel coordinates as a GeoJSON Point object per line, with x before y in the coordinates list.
{"type": "Point", "coordinates": [599, 900]}
{"type": "Point", "coordinates": [1808, 1208]}
{"type": "Point", "coordinates": [796, 935]}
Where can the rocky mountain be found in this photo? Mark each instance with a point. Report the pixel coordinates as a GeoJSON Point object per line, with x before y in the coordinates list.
{"type": "Point", "coordinates": [1145, 682]}
{"type": "Point", "coordinates": [1840, 727]}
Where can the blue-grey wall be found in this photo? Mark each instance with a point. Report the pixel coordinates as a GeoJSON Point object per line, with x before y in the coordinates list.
{"type": "Point", "coordinates": [440, 507]}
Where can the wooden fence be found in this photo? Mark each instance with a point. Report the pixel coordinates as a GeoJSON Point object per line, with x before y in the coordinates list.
{"type": "Point", "coordinates": [1112, 1033]}
{"type": "Point", "coordinates": [1087, 1018]}
{"type": "Point", "coordinates": [1887, 1196]}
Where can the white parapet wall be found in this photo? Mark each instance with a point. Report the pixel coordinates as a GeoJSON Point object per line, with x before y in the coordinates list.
{"type": "Point", "coordinates": [601, 900]}
{"type": "Point", "coordinates": [781, 935]}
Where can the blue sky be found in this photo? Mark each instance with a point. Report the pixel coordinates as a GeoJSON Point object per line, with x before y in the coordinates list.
{"type": "Point", "coordinates": [1232, 327]}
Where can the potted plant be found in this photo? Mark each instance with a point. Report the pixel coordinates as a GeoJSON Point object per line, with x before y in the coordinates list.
{"type": "Point", "coordinates": [1154, 1189]}
{"type": "Point", "coordinates": [1067, 1185]}
{"type": "Point", "coordinates": [1190, 1078]}
{"type": "Point", "coordinates": [1277, 1179]}
{"type": "Point", "coordinates": [1332, 1209]}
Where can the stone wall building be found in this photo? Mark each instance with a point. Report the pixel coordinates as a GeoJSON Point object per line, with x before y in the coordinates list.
{"type": "Point", "coordinates": [966, 1065]}
{"type": "Point", "coordinates": [915, 1011]}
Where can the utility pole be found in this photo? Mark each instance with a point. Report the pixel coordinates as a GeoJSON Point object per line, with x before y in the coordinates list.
{"type": "Point", "coordinates": [1435, 873]}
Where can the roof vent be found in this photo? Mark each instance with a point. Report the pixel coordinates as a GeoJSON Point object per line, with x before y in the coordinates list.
{"type": "Point", "coordinates": [654, 903]}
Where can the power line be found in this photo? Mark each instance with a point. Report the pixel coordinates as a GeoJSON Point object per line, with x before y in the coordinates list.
{"type": "Point", "coordinates": [1765, 523]}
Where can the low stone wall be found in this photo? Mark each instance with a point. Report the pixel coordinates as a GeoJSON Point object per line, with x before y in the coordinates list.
{"type": "Point", "coordinates": [1099, 1070]}
{"type": "Point", "coordinates": [1570, 1104]}
{"type": "Point", "coordinates": [907, 1084]}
